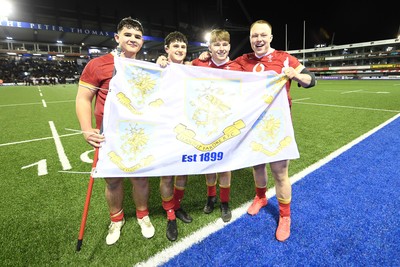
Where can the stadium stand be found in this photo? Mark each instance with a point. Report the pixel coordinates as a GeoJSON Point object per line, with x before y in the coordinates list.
{"type": "Point", "coordinates": [368, 60]}
{"type": "Point", "coordinates": [66, 35]}
{"type": "Point", "coordinates": [43, 41]}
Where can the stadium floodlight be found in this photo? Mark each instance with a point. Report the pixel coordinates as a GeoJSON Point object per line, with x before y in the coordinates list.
{"type": "Point", "coordinates": [398, 33]}
{"type": "Point", "coordinates": [207, 37]}
{"type": "Point", "coordinates": [5, 9]}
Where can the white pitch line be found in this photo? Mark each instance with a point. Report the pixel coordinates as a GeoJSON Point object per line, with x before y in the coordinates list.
{"type": "Point", "coordinates": [339, 106]}
{"type": "Point", "coordinates": [60, 149]}
{"type": "Point", "coordinates": [348, 92]}
{"type": "Point", "coordinates": [75, 172]}
{"type": "Point", "coordinates": [301, 99]}
{"type": "Point", "coordinates": [34, 140]}
{"type": "Point", "coordinates": [37, 103]}
{"type": "Point", "coordinates": [359, 91]}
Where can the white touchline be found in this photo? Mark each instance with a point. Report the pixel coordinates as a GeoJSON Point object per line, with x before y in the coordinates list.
{"type": "Point", "coordinates": [349, 92]}
{"type": "Point", "coordinates": [197, 236]}
{"type": "Point", "coordinates": [338, 106]}
{"type": "Point", "coordinates": [60, 149]}
{"type": "Point", "coordinates": [44, 103]}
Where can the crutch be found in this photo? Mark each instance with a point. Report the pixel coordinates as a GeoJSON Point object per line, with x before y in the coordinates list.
{"type": "Point", "coordinates": [87, 202]}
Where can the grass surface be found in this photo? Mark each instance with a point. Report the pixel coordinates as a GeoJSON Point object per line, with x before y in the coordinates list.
{"type": "Point", "coordinates": [42, 205]}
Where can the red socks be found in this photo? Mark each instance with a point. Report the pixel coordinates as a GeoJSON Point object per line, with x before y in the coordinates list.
{"type": "Point", "coordinates": [169, 208]}
{"type": "Point", "coordinates": [178, 195]}
{"type": "Point", "coordinates": [142, 213]}
{"type": "Point", "coordinates": [260, 192]}
{"type": "Point", "coordinates": [118, 216]}
{"type": "Point", "coordinates": [224, 193]}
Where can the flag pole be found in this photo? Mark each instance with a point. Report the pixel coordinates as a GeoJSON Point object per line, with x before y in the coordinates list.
{"type": "Point", "coordinates": [286, 41]}
{"type": "Point", "coordinates": [304, 43]}
{"type": "Point", "coordinates": [87, 202]}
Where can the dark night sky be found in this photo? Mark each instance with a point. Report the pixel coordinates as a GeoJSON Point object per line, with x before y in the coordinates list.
{"type": "Point", "coordinates": [337, 22]}
{"type": "Point", "coordinates": [330, 22]}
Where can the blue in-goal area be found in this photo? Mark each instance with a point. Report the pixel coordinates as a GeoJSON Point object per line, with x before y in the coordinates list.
{"type": "Point", "coordinates": [345, 213]}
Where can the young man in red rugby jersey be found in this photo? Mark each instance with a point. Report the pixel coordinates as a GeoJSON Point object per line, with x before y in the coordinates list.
{"type": "Point", "coordinates": [94, 83]}
{"type": "Point", "coordinates": [266, 58]}
{"type": "Point", "coordinates": [172, 188]}
{"type": "Point", "coordinates": [219, 48]}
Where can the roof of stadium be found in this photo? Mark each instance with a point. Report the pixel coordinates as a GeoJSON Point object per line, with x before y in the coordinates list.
{"type": "Point", "coordinates": [76, 23]}
{"type": "Point", "coordinates": [87, 21]}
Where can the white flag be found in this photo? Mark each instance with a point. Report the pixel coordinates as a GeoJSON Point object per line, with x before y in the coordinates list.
{"type": "Point", "coordinates": [192, 120]}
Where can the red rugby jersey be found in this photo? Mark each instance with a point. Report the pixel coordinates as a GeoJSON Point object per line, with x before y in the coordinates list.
{"type": "Point", "coordinates": [276, 61]}
{"type": "Point", "coordinates": [97, 74]}
{"type": "Point", "coordinates": [230, 65]}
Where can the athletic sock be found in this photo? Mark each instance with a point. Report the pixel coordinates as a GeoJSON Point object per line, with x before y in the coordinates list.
{"type": "Point", "coordinates": [211, 190]}
{"type": "Point", "coordinates": [168, 205]}
{"type": "Point", "coordinates": [142, 213]}
{"type": "Point", "coordinates": [284, 207]}
{"type": "Point", "coordinates": [260, 192]}
{"type": "Point", "coordinates": [118, 216]}
{"type": "Point", "coordinates": [224, 193]}
{"type": "Point", "coordinates": [178, 196]}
